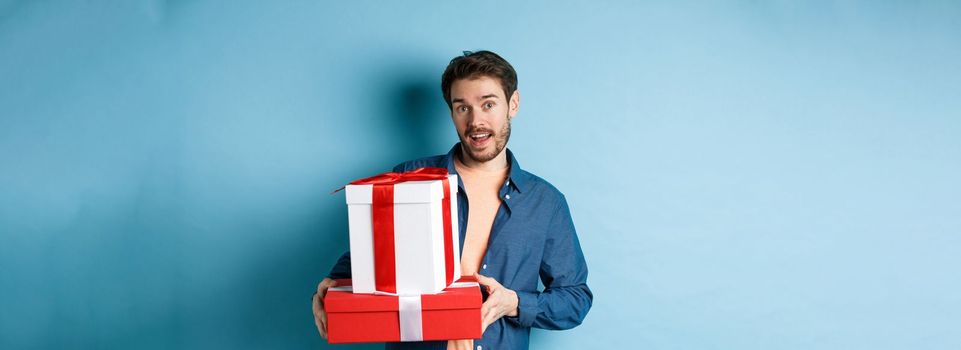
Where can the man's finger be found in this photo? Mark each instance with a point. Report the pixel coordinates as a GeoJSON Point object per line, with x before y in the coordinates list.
{"type": "Point", "coordinates": [485, 321]}
{"type": "Point", "coordinates": [322, 288]}
{"type": "Point", "coordinates": [489, 317]}
{"type": "Point", "coordinates": [490, 313]}
{"type": "Point", "coordinates": [491, 284]}
{"type": "Point", "coordinates": [323, 326]}
{"type": "Point", "coordinates": [487, 309]}
{"type": "Point", "coordinates": [320, 317]}
{"type": "Point", "coordinates": [320, 325]}
{"type": "Point", "coordinates": [486, 306]}
{"type": "Point", "coordinates": [487, 281]}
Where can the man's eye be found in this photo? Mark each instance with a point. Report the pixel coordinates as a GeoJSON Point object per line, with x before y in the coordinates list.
{"type": "Point", "coordinates": [462, 109]}
{"type": "Point", "coordinates": [489, 105]}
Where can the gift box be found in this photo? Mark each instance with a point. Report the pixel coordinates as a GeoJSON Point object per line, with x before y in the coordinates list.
{"type": "Point", "coordinates": [404, 232]}
{"type": "Point", "coordinates": [361, 318]}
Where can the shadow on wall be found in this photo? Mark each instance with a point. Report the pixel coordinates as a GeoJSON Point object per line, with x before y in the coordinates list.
{"type": "Point", "coordinates": [280, 308]}
{"type": "Point", "coordinates": [417, 118]}
{"type": "Point", "coordinates": [421, 120]}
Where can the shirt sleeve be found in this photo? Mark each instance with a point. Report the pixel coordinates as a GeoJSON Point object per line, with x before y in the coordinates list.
{"type": "Point", "coordinates": [566, 298]}
{"type": "Point", "coordinates": [341, 269]}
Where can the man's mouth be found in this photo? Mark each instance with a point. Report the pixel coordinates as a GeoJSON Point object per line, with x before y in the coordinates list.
{"type": "Point", "coordinates": [479, 138]}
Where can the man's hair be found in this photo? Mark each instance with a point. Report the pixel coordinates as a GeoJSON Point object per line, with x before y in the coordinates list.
{"type": "Point", "coordinates": [473, 65]}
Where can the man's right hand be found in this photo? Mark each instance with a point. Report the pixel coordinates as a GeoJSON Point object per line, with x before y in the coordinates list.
{"type": "Point", "coordinates": [320, 316]}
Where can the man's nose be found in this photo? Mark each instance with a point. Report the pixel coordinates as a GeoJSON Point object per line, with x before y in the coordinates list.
{"type": "Point", "coordinates": [474, 120]}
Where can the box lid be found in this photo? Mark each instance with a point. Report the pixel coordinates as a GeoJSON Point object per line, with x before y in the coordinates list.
{"type": "Point", "coordinates": [452, 298]}
{"type": "Point", "coordinates": [404, 192]}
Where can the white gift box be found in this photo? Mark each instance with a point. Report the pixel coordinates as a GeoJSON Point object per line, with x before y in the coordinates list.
{"type": "Point", "coordinates": [418, 236]}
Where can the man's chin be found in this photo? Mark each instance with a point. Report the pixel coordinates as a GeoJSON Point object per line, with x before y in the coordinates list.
{"type": "Point", "coordinates": [489, 152]}
{"type": "Point", "coordinates": [480, 155]}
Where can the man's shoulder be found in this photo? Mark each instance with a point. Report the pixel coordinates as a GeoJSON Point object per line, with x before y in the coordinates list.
{"type": "Point", "coordinates": [537, 185]}
{"type": "Point", "coordinates": [438, 161]}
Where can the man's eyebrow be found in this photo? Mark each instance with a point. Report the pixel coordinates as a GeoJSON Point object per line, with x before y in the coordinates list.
{"type": "Point", "coordinates": [460, 100]}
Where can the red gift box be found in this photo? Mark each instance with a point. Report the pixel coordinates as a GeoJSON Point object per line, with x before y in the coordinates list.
{"type": "Point", "coordinates": [366, 318]}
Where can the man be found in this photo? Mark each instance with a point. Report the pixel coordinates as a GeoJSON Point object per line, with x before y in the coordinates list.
{"type": "Point", "coordinates": [514, 226]}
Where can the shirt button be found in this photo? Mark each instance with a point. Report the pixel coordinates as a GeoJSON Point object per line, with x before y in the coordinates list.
{"type": "Point", "coordinates": [479, 347]}
{"type": "Point", "coordinates": [507, 196]}
{"type": "Point", "coordinates": [484, 267]}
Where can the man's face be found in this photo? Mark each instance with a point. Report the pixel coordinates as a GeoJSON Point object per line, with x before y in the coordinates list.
{"type": "Point", "coordinates": [482, 116]}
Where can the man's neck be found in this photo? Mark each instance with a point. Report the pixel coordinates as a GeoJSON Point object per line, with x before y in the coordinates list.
{"type": "Point", "coordinates": [497, 164]}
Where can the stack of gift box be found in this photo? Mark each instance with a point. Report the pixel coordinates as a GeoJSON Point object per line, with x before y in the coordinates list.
{"type": "Point", "coordinates": [405, 264]}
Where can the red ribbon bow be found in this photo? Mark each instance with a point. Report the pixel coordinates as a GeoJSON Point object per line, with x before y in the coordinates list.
{"type": "Point", "coordinates": [382, 210]}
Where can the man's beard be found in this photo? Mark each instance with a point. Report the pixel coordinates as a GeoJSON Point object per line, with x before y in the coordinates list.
{"type": "Point", "coordinates": [500, 141]}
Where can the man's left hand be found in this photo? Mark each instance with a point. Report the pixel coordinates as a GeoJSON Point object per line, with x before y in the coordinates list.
{"type": "Point", "coordinates": [500, 302]}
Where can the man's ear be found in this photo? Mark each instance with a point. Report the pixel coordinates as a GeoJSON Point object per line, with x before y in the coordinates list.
{"type": "Point", "coordinates": [515, 104]}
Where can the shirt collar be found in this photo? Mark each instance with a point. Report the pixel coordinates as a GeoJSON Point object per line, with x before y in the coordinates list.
{"type": "Point", "coordinates": [517, 177]}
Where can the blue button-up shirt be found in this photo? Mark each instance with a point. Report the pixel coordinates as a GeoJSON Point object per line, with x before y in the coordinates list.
{"type": "Point", "coordinates": [532, 236]}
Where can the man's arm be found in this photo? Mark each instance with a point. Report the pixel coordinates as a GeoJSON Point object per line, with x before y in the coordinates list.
{"type": "Point", "coordinates": [566, 299]}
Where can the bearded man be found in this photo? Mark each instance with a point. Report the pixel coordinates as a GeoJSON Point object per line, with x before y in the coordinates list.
{"type": "Point", "coordinates": [515, 228]}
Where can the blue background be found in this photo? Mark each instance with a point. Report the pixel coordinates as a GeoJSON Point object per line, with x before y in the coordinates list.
{"type": "Point", "coordinates": [743, 175]}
